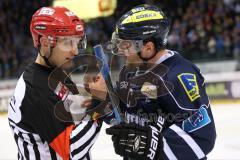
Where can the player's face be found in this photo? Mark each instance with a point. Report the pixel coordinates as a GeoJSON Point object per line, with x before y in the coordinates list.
{"type": "Point", "coordinates": [124, 46]}
{"type": "Point", "coordinates": [132, 49]}
{"type": "Point", "coordinates": [128, 48]}
{"type": "Point", "coordinates": [65, 50]}
{"type": "Point", "coordinates": [146, 51]}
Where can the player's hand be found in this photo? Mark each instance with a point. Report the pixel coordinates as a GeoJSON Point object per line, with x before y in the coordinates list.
{"type": "Point", "coordinates": [78, 104]}
{"type": "Point", "coordinates": [96, 85]}
{"type": "Point", "coordinates": [137, 142]}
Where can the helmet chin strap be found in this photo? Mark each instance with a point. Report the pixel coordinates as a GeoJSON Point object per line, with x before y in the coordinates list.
{"type": "Point", "coordinates": [46, 59]}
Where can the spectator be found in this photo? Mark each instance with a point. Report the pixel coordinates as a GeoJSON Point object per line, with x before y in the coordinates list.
{"type": "Point", "coordinates": [211, 46]}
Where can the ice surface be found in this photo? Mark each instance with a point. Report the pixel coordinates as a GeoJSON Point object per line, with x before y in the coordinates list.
{"type": "Point", "coordinates": [227, 120]}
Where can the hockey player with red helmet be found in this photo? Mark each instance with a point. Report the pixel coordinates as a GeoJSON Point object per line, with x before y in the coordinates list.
{"type": "Point", "coordinates": [42, 112]}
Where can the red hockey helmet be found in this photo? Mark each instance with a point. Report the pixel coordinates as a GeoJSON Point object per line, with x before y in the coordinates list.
{"type": "Point", "coordinates": [53, 22]}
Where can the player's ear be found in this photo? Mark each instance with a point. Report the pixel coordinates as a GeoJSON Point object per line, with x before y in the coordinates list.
{"type": "Point", "coordinates": [44, 41]}
{"type": "Point", "coordinates": [44, 45]}
{"type": "Point", "coordinates": [149, 48]}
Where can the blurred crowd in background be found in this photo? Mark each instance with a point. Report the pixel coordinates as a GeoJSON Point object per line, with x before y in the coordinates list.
{"type": "Point", "coordinates": [201, 30]}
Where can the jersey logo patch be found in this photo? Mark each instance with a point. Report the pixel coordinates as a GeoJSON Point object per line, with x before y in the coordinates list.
{"type": "Point", "coordinates": [142, 15]}
{"type": "Point", "coordinates": [61, 91]}
{"type": "Point", "coordinates": [197, 120]}
{"type": "Point", "coordinates": [46, 11]}
{"type": "Point", "coordinates": [149, 90]}
{"type": "Point", "coordinates": [189, 83]}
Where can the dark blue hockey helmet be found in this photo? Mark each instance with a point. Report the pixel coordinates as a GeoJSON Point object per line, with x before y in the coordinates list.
{"type": "Point", "coordinates": [144, 22]}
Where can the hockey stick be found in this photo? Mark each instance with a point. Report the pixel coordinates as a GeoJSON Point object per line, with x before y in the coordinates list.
{"type": "Point", "coordinates": [99, 53]}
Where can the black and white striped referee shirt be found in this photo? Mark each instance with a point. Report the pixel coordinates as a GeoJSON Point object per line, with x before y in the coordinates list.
{"type": "Point", "coordinates": [43, 130]}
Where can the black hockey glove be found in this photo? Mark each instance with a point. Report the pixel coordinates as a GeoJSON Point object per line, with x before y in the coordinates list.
{"type": "Point", "coordinates": [136, 142]}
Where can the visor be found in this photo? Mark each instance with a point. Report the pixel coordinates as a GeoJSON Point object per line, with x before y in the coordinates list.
{"type": "Point", "coordinates": [69, 43]}
{"type": "Point", "coordinates": [124, 47]}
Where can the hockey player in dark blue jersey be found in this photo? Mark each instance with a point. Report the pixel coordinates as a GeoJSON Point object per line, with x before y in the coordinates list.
{"type": "Point", "coordinates": [163, 97]}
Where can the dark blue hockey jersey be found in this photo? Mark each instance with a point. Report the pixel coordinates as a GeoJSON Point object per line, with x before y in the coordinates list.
{"type": "Point", "coordinates": [175, 89]}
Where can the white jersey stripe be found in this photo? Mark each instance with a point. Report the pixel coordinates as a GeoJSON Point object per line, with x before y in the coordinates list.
{"type": "Point", "coordinates": [167, 150]}
{"type": "Point", "coordinates": [79, 128]}
{"type": "Point", "coordinates": [47, 151]}
{"type": "Point", "coordinates": [31, 152]}
{"type": "Point", "coordinates": [29, 146]}
{"type": "Point", "coordinates": [83, 152]}
{"type": "Point", "coordinates": [84, 139]}
{"type": "Point", "coordinates": [20, 144]}
{"type": "Point", "coordinates": [20, 156]}
{"type": "Point", "coordinates": [41, 148]}
{"type": "Point", "coordinates": [189, 140]}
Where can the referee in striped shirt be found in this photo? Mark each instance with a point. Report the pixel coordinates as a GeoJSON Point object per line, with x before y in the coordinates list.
{"type": "Point", "coordinates": [42, 107]}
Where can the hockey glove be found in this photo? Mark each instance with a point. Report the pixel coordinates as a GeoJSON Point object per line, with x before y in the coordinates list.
{"type": "Point", "coordinates": [135, 141]}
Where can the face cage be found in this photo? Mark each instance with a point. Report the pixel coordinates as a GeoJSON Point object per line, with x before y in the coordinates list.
{"type": "Point", "coordinates": [124, 47]}
{"type": "Point", "coordinates": [71, 43]}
